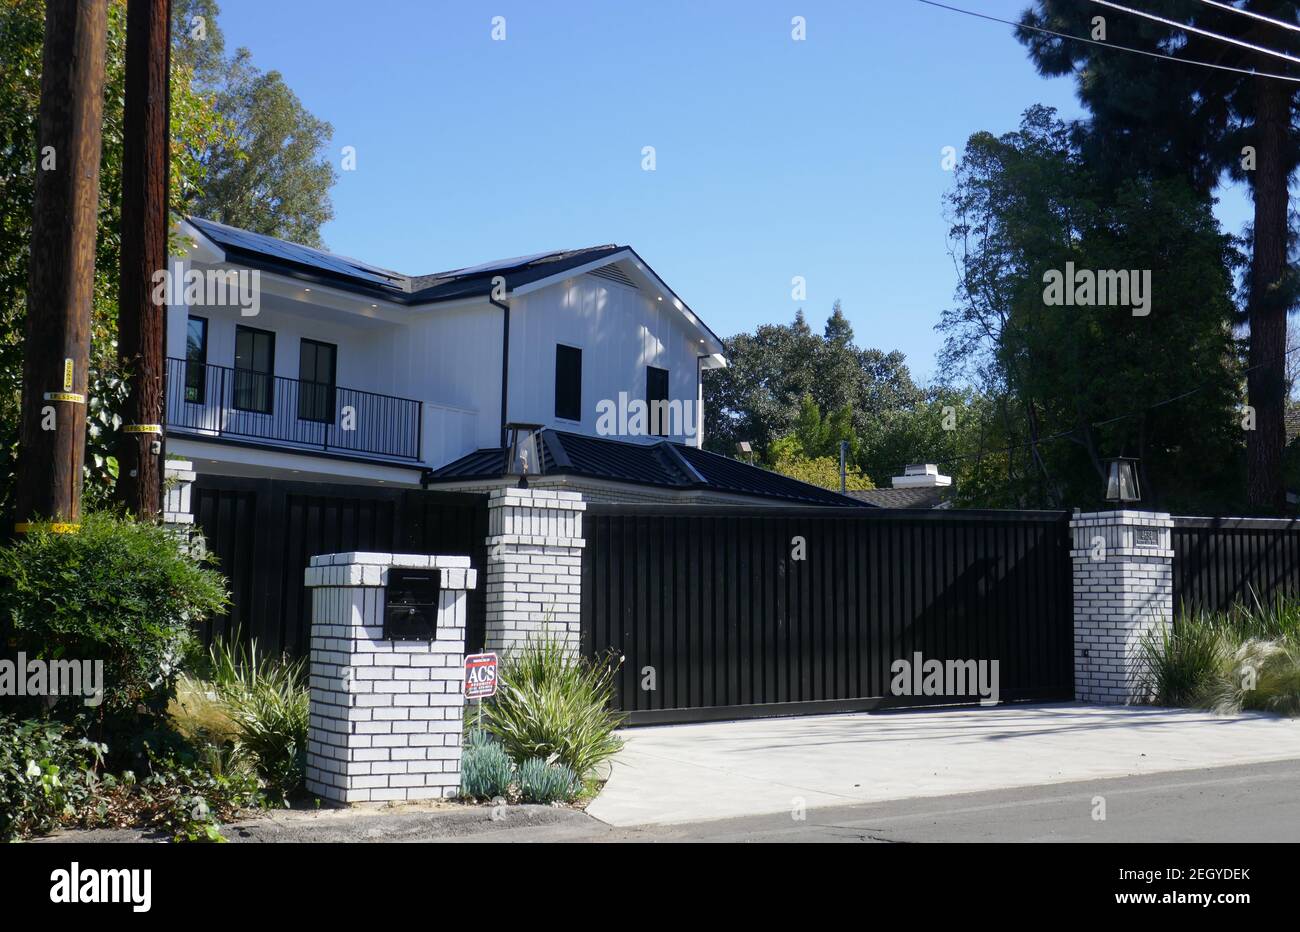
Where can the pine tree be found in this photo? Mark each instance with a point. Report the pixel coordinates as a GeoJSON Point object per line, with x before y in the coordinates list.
{"type": "Point", "coordinates": [1154, 118]}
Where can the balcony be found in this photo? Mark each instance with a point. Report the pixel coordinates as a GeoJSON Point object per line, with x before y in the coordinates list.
{"type": "Point", "coordinates": [204, 400]}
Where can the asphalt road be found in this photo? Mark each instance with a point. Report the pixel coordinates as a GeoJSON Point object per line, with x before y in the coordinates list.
{"type": "Point", "coordinates": [1251, 803]}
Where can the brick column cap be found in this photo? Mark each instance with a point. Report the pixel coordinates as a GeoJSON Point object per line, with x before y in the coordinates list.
{"type": "Point", "coordinates": [536, 498]}
{"type": "Point", "coordinates": [1135, 518]}
{"type": "Point", "coordinates": [370, 570]}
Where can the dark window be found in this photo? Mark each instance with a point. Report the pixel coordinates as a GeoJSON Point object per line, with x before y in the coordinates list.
{"type": "Point", "coordinates": [196, 360]}
{"type": "Point", "coordinates": [656, 396]}
{"type": "Point", "coordinates": [316, 366]}
{"type": "Point", "coordinates": [254, 370]}
{"type": "Point", "coordinates": [568, 382]}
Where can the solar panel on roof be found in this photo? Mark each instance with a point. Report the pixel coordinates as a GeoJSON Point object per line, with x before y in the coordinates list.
{"type": "Point", "coordinates": [493, 266]}
{"type": "Point", "coordinates": [292, 252]}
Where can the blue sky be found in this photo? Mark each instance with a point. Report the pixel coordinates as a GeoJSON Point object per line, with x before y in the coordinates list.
{"type": "Point", "coordinates": [775, 158]}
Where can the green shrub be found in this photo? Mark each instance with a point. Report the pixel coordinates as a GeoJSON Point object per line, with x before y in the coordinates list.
{"type": "Point", "coordinates": [485, 769]}
{"type": "Point", "coordinates": [268, 703]}
{"type": "Point", "coordinates": [46, 776]}
{"type": "Point", "coordinates": [119, 591]}
{"type": "Point", "coordinates": [553, 705]}
{"type": "Point", "coordinates": [544, 782]}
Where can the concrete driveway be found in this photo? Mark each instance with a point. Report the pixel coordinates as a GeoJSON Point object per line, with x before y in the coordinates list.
{"type": "Point", "coordinates": [684, 773]}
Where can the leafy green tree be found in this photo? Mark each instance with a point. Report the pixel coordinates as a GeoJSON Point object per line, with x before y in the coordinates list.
{"type": "Point", "coordinates": [272, 176]}
{"type": "Point", "coordinates": [759, 397]}
{"type": "Point", "coordinates": [1152, 119]}
{"type": "Point", "coordinates": [789, 459]}
{"type": "Point", "coordinates": [1077, 384]}
{"type": "Point", "coordinates": [821, 436]}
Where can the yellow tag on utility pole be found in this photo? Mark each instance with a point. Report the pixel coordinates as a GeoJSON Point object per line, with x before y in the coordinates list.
{"type": "Point", "coordinates": [142, 428]}
{"type": "Point", "coordinates": [67, 375]}
{"type": "Point", "coordinates": [24, 527]}
{"type": "Point", "coordinates": [70, 397]}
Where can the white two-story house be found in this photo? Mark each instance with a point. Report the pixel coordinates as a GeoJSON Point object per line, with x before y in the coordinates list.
{"type": "Point", "coordinates": [291, 362]}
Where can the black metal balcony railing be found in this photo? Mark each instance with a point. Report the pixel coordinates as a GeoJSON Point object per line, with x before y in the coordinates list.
{"type": "Point", "coordinates": [218, 401]}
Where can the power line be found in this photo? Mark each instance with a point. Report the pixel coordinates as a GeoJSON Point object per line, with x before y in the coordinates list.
{"type": "Point", "coordinates": [1110, 45]}
{"type": "Point", "coordinates": [1198, 31]}
{"type": "Point", "coordinates": [1259, 16]}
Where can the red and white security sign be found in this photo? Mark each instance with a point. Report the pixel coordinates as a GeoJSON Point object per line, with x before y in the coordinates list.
{"type": "Point", "coordinates": [480, 676]}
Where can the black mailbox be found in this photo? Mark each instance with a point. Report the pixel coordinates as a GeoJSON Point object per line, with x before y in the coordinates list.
{"type": "Point", "coordinates": [411, 605]}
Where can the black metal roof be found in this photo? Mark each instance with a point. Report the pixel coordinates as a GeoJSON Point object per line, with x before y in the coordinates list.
{"type": "Point", "coordinates": [662, 464]}
{"type": "Point", "coordinates": [258, 250]}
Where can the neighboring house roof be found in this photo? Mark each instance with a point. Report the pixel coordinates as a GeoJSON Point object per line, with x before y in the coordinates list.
{"type": "Point", "coordinates": [903, 498]}
{"type": "Point", "coordinates": [663, 464]}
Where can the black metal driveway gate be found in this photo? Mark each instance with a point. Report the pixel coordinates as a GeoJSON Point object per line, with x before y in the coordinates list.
{"type": "Point", "coordinates": [731, 611]}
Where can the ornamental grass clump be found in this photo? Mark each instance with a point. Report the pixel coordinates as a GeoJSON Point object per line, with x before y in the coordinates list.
{"type": "Point", "coordinates": [554, 705]}
{"type": "Point", "coordinates": [267, 701]}
{"type": "Point", "coordinates": [1245, 658]}
{"type": "Point", "coordinates": [1183, 662]}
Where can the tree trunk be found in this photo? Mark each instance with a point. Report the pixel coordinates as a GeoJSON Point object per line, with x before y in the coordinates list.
{"type": "Point", "coordinates": [141, 322]}
{"type": "Point", "coordinates": [52, 444]}
{"type": "Point", "coordinates": [1267, 307]}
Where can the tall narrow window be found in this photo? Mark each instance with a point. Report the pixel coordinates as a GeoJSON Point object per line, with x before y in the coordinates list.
{"type": "Point", "coordinates": [254, 370]}
{"type": "Point", "coordinates": [316, 367]}
{"type": "Point", "coordinates": [568, 382]}
{"type": "Point", "coordinates": [196, 360]}
{"type": "Point", "coordinates": [656, 396]}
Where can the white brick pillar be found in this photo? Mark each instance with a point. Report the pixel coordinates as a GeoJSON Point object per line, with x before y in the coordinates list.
{"type": "Point", "coordinates": [386, 716]}
{"type": "Point", "coordinates": [534, 570]}
{"type": "Point", "coordinates": [1123, 592]}
{"type": "Point", "coordinates": [178, 477]}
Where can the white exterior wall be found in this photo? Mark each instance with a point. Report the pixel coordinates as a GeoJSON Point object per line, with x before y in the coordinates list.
{"type": "Point", "coordinates": [620, 331]}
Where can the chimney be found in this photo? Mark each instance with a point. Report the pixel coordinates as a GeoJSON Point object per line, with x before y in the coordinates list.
{"type": "Point", "coordinates": [921, 476]}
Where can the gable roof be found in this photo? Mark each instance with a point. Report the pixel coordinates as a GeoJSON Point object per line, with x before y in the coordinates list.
{"type": "Point", "coordinates": [277, 255]}
{"type": "Point", "coordinates": [663, 464]}
{"type": "Point", "coordinates": [307, 263]}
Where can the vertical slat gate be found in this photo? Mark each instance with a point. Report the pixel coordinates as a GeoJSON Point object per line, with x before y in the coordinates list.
{"type": "Point", "coordinates": [714, 607]}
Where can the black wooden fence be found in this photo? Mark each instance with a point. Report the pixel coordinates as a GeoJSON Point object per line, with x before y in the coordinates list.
{"type": "Point", "coordinates": [1219, 561]}
{"type": "Point", "coordinates": [709, 605]}
{"type": "Point", "coordinates": [264, 533]}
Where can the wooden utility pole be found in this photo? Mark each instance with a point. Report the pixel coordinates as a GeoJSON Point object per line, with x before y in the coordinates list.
{"type": "Point", "coordinates": [52, 442]}
{"type": "Point", "coordinates": [142, 322]}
